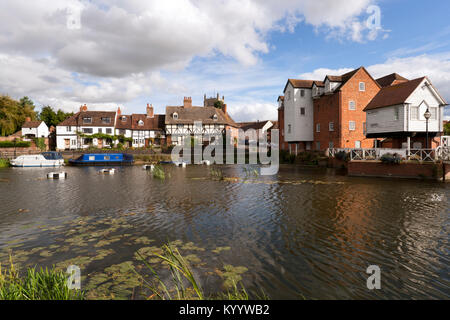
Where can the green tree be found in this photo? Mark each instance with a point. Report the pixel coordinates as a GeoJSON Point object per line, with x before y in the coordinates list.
{"type": "Point", "coordinates": [52, 118]}
{"type": "Point", "coordinates": [13, 114]}
{"type": "Point", "coordinates": [218, 105]}
{"type": "Point", "coordinates": [447, 129]}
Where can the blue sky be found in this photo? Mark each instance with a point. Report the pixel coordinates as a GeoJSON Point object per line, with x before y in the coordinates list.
{"type": "Point", "coordinates": [130, 53]}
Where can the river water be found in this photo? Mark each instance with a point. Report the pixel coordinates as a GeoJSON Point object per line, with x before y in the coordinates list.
{"type": "Point", "coordinates": [306, 233]}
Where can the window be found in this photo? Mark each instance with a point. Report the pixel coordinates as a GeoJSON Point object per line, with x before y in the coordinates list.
{"type": "Point", "coordinates": [331, 126]}
{"type": "Point", "coordinates": [317, 145]}
{"type": "Point", "coordinates": [352, 125]}
{"type": "Point", "coordinates": [122, 132]}
{"type": "Point", "coordinates": [289, 95]}
{"type": "Point", "coordinates": [215, 117]}
{"type": "Point", "coordinates": [351, 105]}
{"type": "Point", "coordinates": [87, 120]}
{"type": "Point", "coordinates": [99, 130]}
{"type": "Point", "coordinates": [330, 144]}
{"type": "Point", "coordinates": [414, 113]}
{"type": "Point", "coordinates": [123, 118]}
{"type": "Point", "coordinates": [140, 123]}
{"type": "Point", "coordinates": [106, 120]}
{"type": "Point", "coordinates": [433, 112]}
{"type": "Point", "coordinates": [302, 111]}
{"type": "Point", "coordinates": [358, 144]}
{"type": "Point", "coordinates": [302, 93]}
{"type": "Point", "coordinates": [74, 142]}
{"type": "Point", "coordinates": [175, 116]}
{"type": "Point", "coordinates": [362, 86]}
{"type": "Point", "coordinates": [68, 129]}
{"type": "Point", "coordinates": [318, 127]}
{"type": "Point", "coordinates": [109, 131]}
{"type": "Point", "coordinates": [289, 128]}
{"type": "Point", "coordinates": [396, 113]}
{"type": "Point", "coordinates": [87, 130]}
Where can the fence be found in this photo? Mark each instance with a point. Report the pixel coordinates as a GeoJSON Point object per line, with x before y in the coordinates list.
{"type": "Point", "coordinates": [440, 153]}
{"type": "Point", "coordinates": [19, 152]}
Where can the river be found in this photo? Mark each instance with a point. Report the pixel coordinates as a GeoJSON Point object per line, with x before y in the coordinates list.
{"type": "Point", "coordinates": [307, 233]}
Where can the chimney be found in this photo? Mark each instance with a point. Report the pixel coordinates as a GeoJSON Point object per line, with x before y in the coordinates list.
{"type": "Point", "coordinates": [83, 108]}
{"type": "Point", "coordinates": [187, 103]}
{"type": "Point", "coordinates": [119, 112]}
{"type": "Point", "coordinates": [27, 119]}
{"type": "Point", "coordinates": [150, 111]}
{"type": "Point", "coordinates": [224, 108]}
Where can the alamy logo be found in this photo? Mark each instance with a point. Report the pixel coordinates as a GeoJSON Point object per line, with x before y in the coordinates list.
{"type": "Point", "coordinates": [74, 279]}
{"type": "Point", "coordinates": [374, 20]}
{"type": "Point", "coordinates": [209, 144]}
{"type": "Point", "coordinates": [374, 281]}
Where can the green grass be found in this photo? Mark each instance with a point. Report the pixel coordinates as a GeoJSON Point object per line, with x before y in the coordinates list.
{"type": "Point", "coordinates": [4, 163]}
{"type": "Point", "coordinates": [43, 284]}
{"type": "Point", "coordinates": [183, 284]}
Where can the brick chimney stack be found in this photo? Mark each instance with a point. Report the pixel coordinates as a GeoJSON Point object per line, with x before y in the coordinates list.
{"type": "Point", "coordinates": [27, 119]}
{"type": "Point", "coordinates": [150, 111]}
{"type": "Point", "coordinates": [83, 108]}
{"type": "Point", "coordinates": [119, 112]}
{"type": "Point", "coordinates": [187, 103]}
{"type": "Point", "coordinates": [224, 108]}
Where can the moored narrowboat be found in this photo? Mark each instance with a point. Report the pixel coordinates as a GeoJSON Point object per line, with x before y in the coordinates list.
{"type": "Point", "coordinates": [103, 159]}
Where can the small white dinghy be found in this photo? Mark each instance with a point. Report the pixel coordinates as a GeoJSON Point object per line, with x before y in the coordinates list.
{"type": "Point", "coordinates": [57, 175]}
{"type": "Point", "coordinates": [150, 167]}
{"type": "Point", "coordinates": [107, 171]}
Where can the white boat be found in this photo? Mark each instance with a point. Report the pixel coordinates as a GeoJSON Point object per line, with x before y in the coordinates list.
{"type": "Point", "coordinates": [46, 159]}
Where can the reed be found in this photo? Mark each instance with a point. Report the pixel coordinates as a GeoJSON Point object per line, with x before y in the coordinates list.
{"type": "Point", "coordinates": [159, 173]}
{"type": "Point", "coordinates": [216, 174]}
{"type": "Point", "coordinates": [43, 284]}
{"type": "Point", "coordinates": [183, 284]}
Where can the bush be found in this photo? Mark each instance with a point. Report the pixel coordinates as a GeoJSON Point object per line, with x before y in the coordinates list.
{"type": "Point", "coordinates": [390, 158]}
{"type": "Point", "coordinates": [4, 163]}
{"type": "Point", "coordinates": [342, 155]}
{"type": "Point", "coordinates": [19, 144]}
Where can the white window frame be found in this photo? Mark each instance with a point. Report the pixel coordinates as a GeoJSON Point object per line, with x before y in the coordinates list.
{"type": "Point", "coordinates": [434, 113]}
{"type": "Point", "coordinates": [363, 87]}
{"type": "Point", "coordinates": [352, 105]}
{"type": "Point", "coordinates": [416, 112]}
{"type": "Point", "coordinates": [331, 126]}
{"type": "Point", "coordinates": [352, 125]}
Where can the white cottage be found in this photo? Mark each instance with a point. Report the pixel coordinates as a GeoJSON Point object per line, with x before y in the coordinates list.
{"type": "Point", "coordinates": [34, 129]}
{"type": "Point", "coordinates": [396, 114]}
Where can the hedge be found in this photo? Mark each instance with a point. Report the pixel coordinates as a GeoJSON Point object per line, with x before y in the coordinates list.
{"type": "Point", "coordinates": [19, 144]}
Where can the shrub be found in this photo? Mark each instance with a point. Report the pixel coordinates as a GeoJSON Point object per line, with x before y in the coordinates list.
{"type": "Point", "coordinates": [390, 158]}
{"type": "Point", "coordinates": [4, 163]}
{"type": "Point", "coordinates": [19, 144]}
{"type": "Point", "coordinates": [342, 155]}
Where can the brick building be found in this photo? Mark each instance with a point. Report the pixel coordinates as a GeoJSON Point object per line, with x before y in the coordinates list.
{"type": "Point", "coordinates": [339, 117]}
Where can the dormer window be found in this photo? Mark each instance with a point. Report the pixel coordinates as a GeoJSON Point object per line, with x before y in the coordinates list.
{"type": "Point", "coordinates": [175, 116]}
{"type": "Point", "coordinates": [140, 123]}
{"type": "Point", "coordinates": [106, 120]}
{"type": "Point", "coordinates": [123, 118]}
{"type": "Point", "coordinates": [87, 120]}
{"type": "Point", "coordinates": [215, 117]}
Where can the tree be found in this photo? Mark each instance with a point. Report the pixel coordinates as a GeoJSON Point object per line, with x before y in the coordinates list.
{"type": "Point", "coordinates": [13, 114]}
{"type": "Point", "coordinates": [218, 105]}
{"type": "Point", "coordinates": [52, 118]}
{"type": "Point", "coordinates": [447, 129]}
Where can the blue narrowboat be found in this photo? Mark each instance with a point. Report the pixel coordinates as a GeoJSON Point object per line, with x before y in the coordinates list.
{"type": "Point", "coordinates": [103, 159]}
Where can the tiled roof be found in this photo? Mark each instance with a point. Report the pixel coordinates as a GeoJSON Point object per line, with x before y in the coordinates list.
{"type": "Point", "coordinates": [393, 95]}
{"type": "Point", "coordinates": [123, 121]}
{"type": "Point", "coordinates": [307, 84]}
{"type": "Point", "coordinates": [319, 83]}
{"type": "Point", "coordinates": [31, 124]}
{"type": "Point", "coordinates": [204, 114]}
{"type": "Point", "coordinates": [391, 79]}
{"type": "Point", "coordinates": [96, 116]}
{"type": "Point", "coordinates": [156, 123]}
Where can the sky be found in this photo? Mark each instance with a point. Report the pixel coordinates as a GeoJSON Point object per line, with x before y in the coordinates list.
{"type": "Point", "coordinates": [127, 53]}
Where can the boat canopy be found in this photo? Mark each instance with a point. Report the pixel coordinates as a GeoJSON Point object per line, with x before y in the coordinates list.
{"type": "Point", "coordinates": [52, 155]}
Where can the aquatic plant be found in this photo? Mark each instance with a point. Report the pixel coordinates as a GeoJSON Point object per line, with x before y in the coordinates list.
{"type": "Point", "coordinates": [216, 174]}
{"type": "Point", "coordinates": [184, 285]}
{"type": "Point", "coordinates": [250, 172]}
{"type": "Point", "coordinates": [159, 173]}
{"type": "Point", "coordinates": [45, 284]}
{"type": "Point", "coordinates": [4, 163]}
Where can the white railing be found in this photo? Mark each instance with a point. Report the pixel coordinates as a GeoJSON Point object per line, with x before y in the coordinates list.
{"type": "Point", "coordinates": [440, 153]}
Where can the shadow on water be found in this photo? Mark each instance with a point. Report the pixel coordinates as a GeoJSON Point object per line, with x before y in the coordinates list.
{"type": "Point", "coordinates": [306, 232]}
